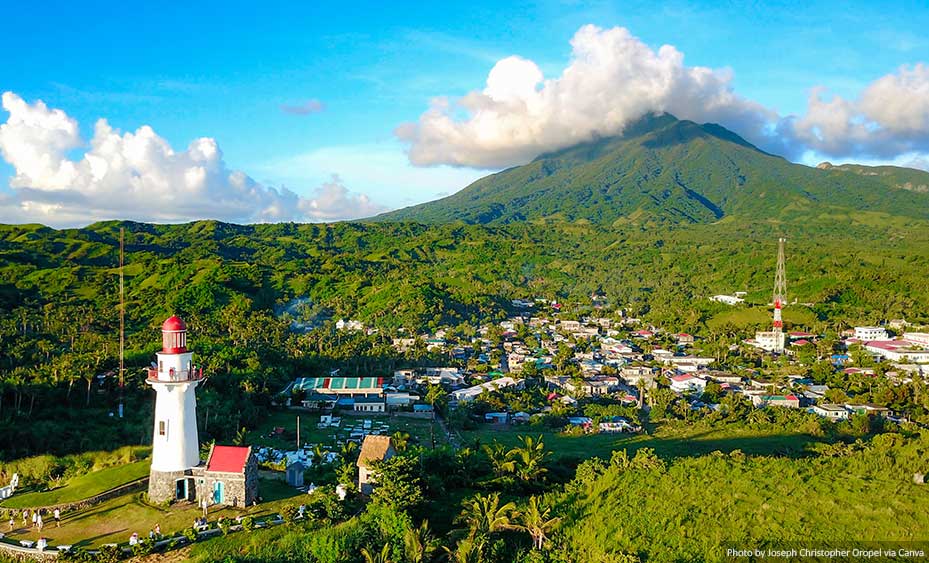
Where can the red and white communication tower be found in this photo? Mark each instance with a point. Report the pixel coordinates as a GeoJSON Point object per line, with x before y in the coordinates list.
{"type": "Point", "coordinates": [780, 296]}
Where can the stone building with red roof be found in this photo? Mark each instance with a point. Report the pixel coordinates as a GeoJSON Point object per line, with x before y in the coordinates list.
{"type": "Point", "coordinates": [231, 476]}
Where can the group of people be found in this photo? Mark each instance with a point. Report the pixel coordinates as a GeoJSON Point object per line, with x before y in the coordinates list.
{"type": "Point", "coordinates": [37, 520]}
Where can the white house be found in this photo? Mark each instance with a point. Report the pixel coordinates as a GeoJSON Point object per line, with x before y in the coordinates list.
{"type": "Point", "coordinates": [921, 338]}
{"type": "Point", "coordinates": [832, 412]}
{"type": "Point", "coordinates": [727, 299]}
{"type": "Point", "coordinates": [899, 351]}
{"type": "Point", "coordinates": [769, 341]}
{"type": "Point", "coordinates": [870, 333]}
{"type": "Point", "coordinates": [469, 394]}
{"type": "Point", "coordinates": [687, 382]}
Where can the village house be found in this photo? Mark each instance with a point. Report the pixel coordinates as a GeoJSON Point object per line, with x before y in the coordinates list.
{"type": "Point", "coordinates": [374, 448]}
{"type": "Point", "coordinates": [470, 393]}
{"type": "Point", "coordinates": [830, 411]}
{"type": "Point", "coordinates": [686, 382]}
{"type": "Point", "coordinates": [369, 405]}
{"type": "Point", "coordinates": [899, 351]}
{"type": "Point", "coordinates": [231, 476]}
{"type": "Point", "coordinates": [791, 401]}
{"type": "Point", "coordinates": [869, 333]}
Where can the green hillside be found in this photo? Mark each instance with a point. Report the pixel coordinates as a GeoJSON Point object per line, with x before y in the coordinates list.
{"type": "Point", "coordinates": [669, 171]}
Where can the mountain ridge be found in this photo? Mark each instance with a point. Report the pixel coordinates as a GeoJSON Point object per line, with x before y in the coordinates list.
{"type": "Point", "coordinates": [663, 170]}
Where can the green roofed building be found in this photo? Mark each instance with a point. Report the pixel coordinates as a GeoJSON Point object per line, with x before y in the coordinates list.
{"type": "Point", "coordinates": [343, 386]}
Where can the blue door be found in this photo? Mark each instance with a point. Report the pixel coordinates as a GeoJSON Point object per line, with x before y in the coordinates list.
{"type": "Point", "coordinates": [219, 491]}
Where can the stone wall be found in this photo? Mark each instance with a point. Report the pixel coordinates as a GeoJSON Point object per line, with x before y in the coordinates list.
{"type": "Point", "coordinates": [161, 484]}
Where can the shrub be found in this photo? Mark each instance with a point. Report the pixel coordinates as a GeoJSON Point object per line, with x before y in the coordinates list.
{"type": "Point", "coordinates": [224, 525]}
{"type": "Point", "coordinates": [109, 554]}
{"type": "Point", "coordinates": [191, 534]}
{"type": "Point", "coordinates": [248, 523]}
{"type": "Point", "coordinates": [289, 513]}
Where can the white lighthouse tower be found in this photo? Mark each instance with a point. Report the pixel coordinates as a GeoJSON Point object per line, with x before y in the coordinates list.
{"type": "Point", "coordinates": [175, 444]}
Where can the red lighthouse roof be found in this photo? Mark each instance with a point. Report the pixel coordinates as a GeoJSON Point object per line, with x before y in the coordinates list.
{"type": "Point", "coordinates": [173, 324]}
{"type": "Point", "coordinates": [174, 336]}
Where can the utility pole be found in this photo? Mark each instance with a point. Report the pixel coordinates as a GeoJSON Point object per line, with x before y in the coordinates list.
{"type": "Point", "coordinates": [122, 319]}
{"type": "Point", "coordinates": [780, 296]}
{"type": "Point", "coordinates": [298, 432]}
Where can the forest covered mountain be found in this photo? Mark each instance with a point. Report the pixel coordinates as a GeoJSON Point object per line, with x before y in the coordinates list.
{"type": "Point", "coordinates": [670, 171]}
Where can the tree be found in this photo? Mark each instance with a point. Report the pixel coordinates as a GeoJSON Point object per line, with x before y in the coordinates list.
{"type": "Point", "coordinates": [527, 459]}
{"type": "Point", "coordinates": [419, 543]}
{"type": "Point", "coordinates": [484, 515]}
{"type": "Point", "coordinates": [499, 458]}
{"type": "Point", "coordinates": [537, 521]}
{"type": "Point", "coordinates": [399, 483]}
{"type": "Point", "coordinates": [381, 557]}
{"type": "Point", "coordinates": [400, 440]}
{"type": "Point", "coordinates": [468, 550]}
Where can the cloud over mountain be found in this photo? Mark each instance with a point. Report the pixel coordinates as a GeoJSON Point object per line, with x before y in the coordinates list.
{"type": "Point", "coordinates": [613, 78]}
{"type": "Point", "coordinates": [138, 175]}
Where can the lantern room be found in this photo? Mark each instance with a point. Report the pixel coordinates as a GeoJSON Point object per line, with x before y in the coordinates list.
{"type": "Point", "coordinates": [174, 336]}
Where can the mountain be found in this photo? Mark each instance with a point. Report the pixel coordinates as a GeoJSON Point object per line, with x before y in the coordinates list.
{"type": "Point", "coordinates": [665, 170]}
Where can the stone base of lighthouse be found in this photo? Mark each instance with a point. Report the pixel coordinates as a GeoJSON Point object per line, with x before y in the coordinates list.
{"type": "Point", "coordinates": [186, 484]}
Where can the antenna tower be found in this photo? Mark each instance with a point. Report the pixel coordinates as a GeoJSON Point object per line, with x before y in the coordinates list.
{"type": "Point", "coordinates": [780, 296]}
{"type": "Point", "coordinates": [122, 320]}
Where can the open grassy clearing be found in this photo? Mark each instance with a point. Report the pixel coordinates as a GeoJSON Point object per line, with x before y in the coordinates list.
{"type": "Point", "coordinates": [420, 430]}
{"type": "Point", "coordinates": [82, 487]}
{"type": "Point", "coordinates": [115, 520]}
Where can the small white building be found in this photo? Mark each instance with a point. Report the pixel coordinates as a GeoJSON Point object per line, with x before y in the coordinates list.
{"type": "Point", "coordinates": [769, 340]}
{"type": "Point", "coordinates": [830, 411]}
{"type": "Point", "coordinates": [369, 404]}
{"type": "Point", "coordinates": [469, 394]}
{"type": "Point", "coordinates": [686, 382]}
{"type": "Point", "coordinates": [870, 333]}
{"type": "Point", "coordinates": [727, 299]}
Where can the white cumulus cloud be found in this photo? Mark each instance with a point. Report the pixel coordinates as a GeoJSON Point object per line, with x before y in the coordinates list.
{"type": "Point", "coordinates": [613, 78]}
{"type": "Point", "coordinates": [138, 175]}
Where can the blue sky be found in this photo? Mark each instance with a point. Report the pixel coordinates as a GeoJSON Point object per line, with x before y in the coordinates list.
{"type": "Point", "coordinates": [224, 70]}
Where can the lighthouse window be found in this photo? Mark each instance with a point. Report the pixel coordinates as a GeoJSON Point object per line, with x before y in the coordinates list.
{"type": "Point", "coordinates": [162, 428]}
{"type": "Point", "coordinates": [161, 366]}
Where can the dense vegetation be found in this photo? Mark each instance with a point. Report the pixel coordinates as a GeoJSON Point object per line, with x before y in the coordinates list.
{"type": "Point", "coordinates": [243, 289]}
{"type": "Point", "coordinates": [492, 504]}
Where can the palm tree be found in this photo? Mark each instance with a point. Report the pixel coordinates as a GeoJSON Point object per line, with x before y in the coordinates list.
{"type": "Point", "coordinates": [499, 458]}
{"type": "Point", "coordinates": [382, 557]}
{"type": "Point", "coordinates": [528, 458]}
{"type": "Point", "coordinates": [484, 515]}
{"type": "Point", "coordinates": [537, 521]}
{"type": "Point", "coordinates": [419, 543]}
{"type": "Point", "coordinates": [319, 454]}
{"type": "Point", "coordinates": [348, 451]}
{"type": "Point", "coordinates": [468, 551]}
{"type": "Point", "coordinates": [400, 440]}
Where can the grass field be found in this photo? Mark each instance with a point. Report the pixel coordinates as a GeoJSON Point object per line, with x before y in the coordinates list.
{"type": "Point", "coordinates": [420, 430]}
{"type": "Point", "coordinates": [82, 487]}
{"type": "Point", "coordinates": [115, 520]}
{"type": "Point", "coordinates": [667, 441]}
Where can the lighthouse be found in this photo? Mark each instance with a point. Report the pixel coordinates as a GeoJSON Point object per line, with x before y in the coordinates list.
{"type": "Point", "coordinates": [175, 444]}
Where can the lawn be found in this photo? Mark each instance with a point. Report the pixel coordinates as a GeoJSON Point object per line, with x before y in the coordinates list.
{"type": "Point", "coordinates": [667, 441]}
{"type": "Point", "coordinates": [420, 430]}
{"type": "Point", "coordinates": [115, 520]}
{"type": "Point", "coordinates": [82, 487]}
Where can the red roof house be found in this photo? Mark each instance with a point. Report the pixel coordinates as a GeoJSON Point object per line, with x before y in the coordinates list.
{"type": "Point", "coordinates": [231, 476]}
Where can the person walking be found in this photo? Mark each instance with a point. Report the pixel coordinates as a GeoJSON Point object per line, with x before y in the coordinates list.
{"type": "Point", "coordinates": [57, 515]}
{"type": "Point", "coordinates": [39, 523]}
{"type": "Point", "coordinates": [35, 516]}
{"type": "Point", "coordinates": [12, 521]}
{"type": "Point", "coordinates": [25, 517]}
